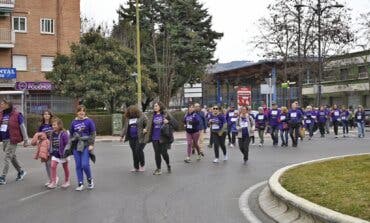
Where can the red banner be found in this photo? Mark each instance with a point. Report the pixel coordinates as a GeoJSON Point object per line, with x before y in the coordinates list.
{"type": "Point", "coordinates": [244, 96]}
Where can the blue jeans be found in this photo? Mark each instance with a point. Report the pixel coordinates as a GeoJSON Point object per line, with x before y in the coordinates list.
{"type": "Point", "coordinates": [82, 164]}
{"type": "Point", "coordinates": [361, 129]}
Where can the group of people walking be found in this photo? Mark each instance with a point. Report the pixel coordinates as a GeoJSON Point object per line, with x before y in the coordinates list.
{"type": "Point", "coordinates": [54, 145]}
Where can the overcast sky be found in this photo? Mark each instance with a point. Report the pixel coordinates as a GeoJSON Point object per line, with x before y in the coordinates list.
{"type": "Point", "coordinates": [235, 18]}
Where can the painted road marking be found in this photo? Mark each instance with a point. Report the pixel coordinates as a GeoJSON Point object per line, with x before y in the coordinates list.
{"type": "Point", "coordinates": [34, 195]}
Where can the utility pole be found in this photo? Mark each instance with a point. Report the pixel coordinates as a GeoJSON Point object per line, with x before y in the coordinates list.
{"type": "Point", "coordinates": [138, 57]}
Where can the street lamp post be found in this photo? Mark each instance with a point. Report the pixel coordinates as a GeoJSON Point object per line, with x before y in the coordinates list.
{"type": "Point", "coordinates": [138, 56]}
{"type": "Point", "coordinates": [319, 10]}
{"type": "Point", "coordinates": [299, 9]}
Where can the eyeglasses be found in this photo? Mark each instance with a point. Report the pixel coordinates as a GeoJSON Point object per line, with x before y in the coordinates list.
{"type": "Point", "coordinates": [215, 108]}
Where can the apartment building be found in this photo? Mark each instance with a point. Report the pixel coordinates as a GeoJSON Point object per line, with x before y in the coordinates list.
{"type": "Point", "coordinates": [32, 33]}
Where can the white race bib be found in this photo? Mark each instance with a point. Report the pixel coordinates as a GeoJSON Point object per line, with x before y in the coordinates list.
{"type": "Point", "coordinates": [293, 115]}
{"type": "Point", "coordinates": [3, 128]}
{"type": "Point", "coordinates": [359, 117]}
{"type": "Point", "coordinates": [336, 113]}
{"type": "Point", "coordinates": [234, 119]}
{"type": "Point", "coordinates": [260, 117]}
{"type": "Point", "coordinates": [274, 112]}
{"type": "Point", "coordinates": [314, 116]}
{"type": "Point", "coordinates": [343, 117]}
{"type": "Point", "coordinates": [189, 126]}
{"type": "Point", "coordinates": [132, 121]}
{"type": "Point", "coordinates": [282, 118]}
{"type": "Point", "coordinates": [231, 114]}
{"type": "Point", "coordinates": [244, 124]}
{"type": "Point", "coordinates": [215, 126]}
{"type": "Point", "coordinates": [308, 121]}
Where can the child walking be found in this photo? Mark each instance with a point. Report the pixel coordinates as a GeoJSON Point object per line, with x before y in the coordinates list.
{"type": "Point", "coordinates": [59, 139]}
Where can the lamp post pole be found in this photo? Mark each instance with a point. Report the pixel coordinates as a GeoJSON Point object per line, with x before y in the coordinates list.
{"type": "Point", "coordinates": [138, 57]}
{"type": "Point", "coordinates": [318, 10]}
{"type": "Point", "coordinates": [299, 8]}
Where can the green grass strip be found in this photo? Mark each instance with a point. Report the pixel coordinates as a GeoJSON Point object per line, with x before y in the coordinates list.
{"type": "Point", "coordinates": [342, 185]}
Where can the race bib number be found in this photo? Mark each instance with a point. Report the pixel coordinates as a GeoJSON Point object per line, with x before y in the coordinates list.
{"type": "Point", "coordinates": [215, 127]}
{"type": "Point", "coordinates": [274, 112]}
{"type": "Point", "coordinates": [231, 114]}
{"type": "Point", "coordinates": [282, 118]}
{"type": "Point", "coordinates": [132, 121]}
{"type": "Point", "coordinates": [234, 119]}
{"type": "Point", "coordinates": [244, 124]}
{"type": "Point", "coordinates": [359, 117]}
{"type": "Point", "coordinates": [260, 117]}
{"type": "Point", "coordinates": [343, 117]}
{"type": "Point", "coordinates": [293, 115]}
{"type": "Point", "coordinates": [314, 116]}
{"type": "Point", "coordinates": [308, 121]}
{"type": "Point", "coordinates": [189, 126]}
{"type": "Point", "coordinates": [3, 128]}
{"type": "Point", "coordinates": [336, 113]}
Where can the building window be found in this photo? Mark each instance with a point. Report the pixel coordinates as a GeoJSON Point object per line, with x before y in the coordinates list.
{"type": "Point", "coordinates": [47, 63]}
{"type": "Point", "coordinates": [20, 62]}
{"type": "Point", "coordinates": [344, 74]}
{"type": "Point", "coordinates": [362, 72]}
{"type": "Point", "coordinates": [47, 26]}
{"type": "Point", "coordinates": [20, 24]}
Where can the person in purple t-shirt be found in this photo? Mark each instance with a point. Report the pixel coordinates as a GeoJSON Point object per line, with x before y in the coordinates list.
{"type": "Point", "coordinates": [273, 123]}
{"type": "Point", "coordinates": [46, 127]}
{"type": "Point", "coordinates": [160, 134]}
{"type": "Point", "coordinates": [344, 117]}
{"type": "Point", "coordinates": [218, 124]}
{"type": "Point", "coordinates": [83, 129]}
{"type": "Point", "coordinates": [192, 127]}
{"type": "Point", "coordinates": [335, 117]}
{"type": "Point", "coordinates": [134, 131]}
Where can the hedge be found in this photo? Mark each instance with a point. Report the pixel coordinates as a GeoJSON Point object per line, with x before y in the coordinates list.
{"type": "Point", "coordinates": [103, 122]}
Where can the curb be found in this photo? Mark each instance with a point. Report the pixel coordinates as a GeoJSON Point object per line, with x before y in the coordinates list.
{"type": "Point", "coordinates": [284, 206]}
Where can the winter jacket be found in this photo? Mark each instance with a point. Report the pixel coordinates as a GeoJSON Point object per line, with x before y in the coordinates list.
{"type": "Point", "coordinates": [43, 144]}
{"type": "Point", "coordinates": [142, 123]}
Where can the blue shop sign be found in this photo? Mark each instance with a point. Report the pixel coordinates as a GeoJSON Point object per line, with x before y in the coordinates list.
{"type": "Point", "coordinates": [8, 73]}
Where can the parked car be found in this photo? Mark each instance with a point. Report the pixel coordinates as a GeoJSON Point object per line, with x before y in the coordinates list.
{"type": "Point", "coordinates": [367, 118]}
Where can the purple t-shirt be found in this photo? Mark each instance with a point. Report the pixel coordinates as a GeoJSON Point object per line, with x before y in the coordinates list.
{"type": "Point", "coordinates": [132, 128]}
{"type": "Point", "coordinates": [157, 124]}
{"type": "Point", "coordinates": [84, 127]}
{"type": "Point", "coordinates": [55, 145]}
{"type": "Point", "coordinates": [47, 128]}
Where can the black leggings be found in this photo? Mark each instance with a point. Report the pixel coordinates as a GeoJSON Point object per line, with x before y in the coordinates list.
{"type": "Point", "coordinates": [160, 149]}
{"type": "Point", "coordinates": [294, 133]}
{"type": "Point", "coordinates": [335, 124]}
{"type": "Point", "coordinates": [244, 147]}
{"type": "Point", "coordinates": [137, 152]}
{"type": "Point", "coordinates": [219, 141]}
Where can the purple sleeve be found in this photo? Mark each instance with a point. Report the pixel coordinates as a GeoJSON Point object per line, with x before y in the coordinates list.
{"type": "Point", "coordinates": [92, 126]}
{"type": "Point", "coordinates": [71, 129]}
{"type": "Point", "coordinates": [20, 118]}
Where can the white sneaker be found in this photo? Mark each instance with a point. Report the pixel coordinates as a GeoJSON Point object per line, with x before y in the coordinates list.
{"type": "Point", "coordinates": [80, 188]}
{"type": "Point", "coordinates": [91, 185]}
{"type": "Point", "coordinates": [226, 157]}
{"type": "Point", "coordinates": [215, 160]}
{"type": "Point", "coordinates": [231, 145]}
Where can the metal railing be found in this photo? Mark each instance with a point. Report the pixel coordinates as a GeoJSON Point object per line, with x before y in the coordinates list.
{"type": "Point", "coordinates": [7, 36]}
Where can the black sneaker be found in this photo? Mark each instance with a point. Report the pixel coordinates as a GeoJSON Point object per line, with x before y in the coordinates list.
{"type": "Point", "coordinates": [2, 180]}
{"type": "Point", "coordinates": [169, 169]}
{"type": "Point", "coordinates": [21, 175]}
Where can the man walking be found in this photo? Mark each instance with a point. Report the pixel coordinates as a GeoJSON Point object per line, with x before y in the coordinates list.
{"type": "Point", "coordinates": [12, 132]}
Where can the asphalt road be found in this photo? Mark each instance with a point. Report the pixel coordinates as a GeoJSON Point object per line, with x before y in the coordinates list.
{"type": "Point", "coordinates": [196, 192]}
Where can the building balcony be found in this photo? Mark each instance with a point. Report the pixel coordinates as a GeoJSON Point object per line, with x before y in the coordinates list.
{"type": "Point", "coordinates": [7, 6]}
{"type": "Point", "coordinates": [7, 38]}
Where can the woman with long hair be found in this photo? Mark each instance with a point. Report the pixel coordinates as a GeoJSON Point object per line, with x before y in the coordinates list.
{"type": "Point", "coordinates": [218, 124]}
{"type": "Point", "coordinates": [83, 133]}
{"type": "Point", "coordinates": [134, 131]}
{"type": "Point", "coordinates": [160, 133]}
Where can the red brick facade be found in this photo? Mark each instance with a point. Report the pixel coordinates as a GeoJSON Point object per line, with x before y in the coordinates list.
{"type": "Point", "coordinates": [32, 43]}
